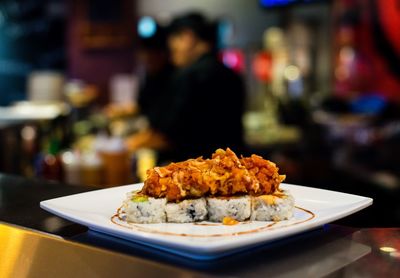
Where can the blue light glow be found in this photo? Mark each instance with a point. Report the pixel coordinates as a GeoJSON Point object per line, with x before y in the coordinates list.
{"type": "Point", "coordinates": [146, 27]}
{"type": "Point", "coordinates": [369, 104]}
{"type": "Point", "coordinates": [280, 3]}
{"type": "Point", "coordinates": [225, 33]}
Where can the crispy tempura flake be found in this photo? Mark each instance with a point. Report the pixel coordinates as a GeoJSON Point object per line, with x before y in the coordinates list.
{"type": "Point", "coordinates": [222, 175]}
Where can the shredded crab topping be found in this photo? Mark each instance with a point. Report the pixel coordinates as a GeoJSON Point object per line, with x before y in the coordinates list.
{"type": "Point", "coordinates": [223, 175]}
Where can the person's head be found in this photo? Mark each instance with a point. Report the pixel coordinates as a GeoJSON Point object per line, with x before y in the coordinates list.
{"type": "Point", "coordinates": [190, 36]}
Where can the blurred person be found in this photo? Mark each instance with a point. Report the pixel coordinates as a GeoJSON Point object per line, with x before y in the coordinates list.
{"type": "Point", "coordinates": [206, 99]}
{"type": "Point", "coordinates": [153, 56]}
{"type": "Point", "coordinates": [154, 72]}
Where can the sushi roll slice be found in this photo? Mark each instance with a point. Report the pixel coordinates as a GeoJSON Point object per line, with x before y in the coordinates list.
{"type": "Point", "coordinates": [272, 207]}
{"type": "Point", "coordinates": [143, 209]}
{"type": "Point", "coordinates": [238, 208]}
{"type": "Point", "coordinates": [187, 211]}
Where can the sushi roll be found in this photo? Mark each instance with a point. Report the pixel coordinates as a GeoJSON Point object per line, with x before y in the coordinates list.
{"type": "Point", "coordinates": [238, 208]}
{"type": "Point", "coordinates": [187, 211]}
{"type": "Point", "coordinates": [272, 207]}
{"type": "Point", "coordinates": [143, 209]}
{"type": "Point", "coordinates": [224, 186]}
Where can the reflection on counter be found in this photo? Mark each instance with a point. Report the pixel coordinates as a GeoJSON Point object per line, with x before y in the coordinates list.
{"type": "Point", "coordinates": [65, 258]}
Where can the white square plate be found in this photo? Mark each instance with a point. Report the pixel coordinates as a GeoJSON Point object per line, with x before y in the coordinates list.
{"type": "Point", "coordinates": [97, 210]}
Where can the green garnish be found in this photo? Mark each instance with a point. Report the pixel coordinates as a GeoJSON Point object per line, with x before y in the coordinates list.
{"type": "Point", "coordinates": [139, 199]}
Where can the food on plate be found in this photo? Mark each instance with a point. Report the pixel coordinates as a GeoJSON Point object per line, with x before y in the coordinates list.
{"type": "Point", "coordinates": [229, 221]}
{"type": "Point", "coordinates": [275, 207]}
{"type": "Point", "coordinates": [143, 209]}
{"type": "Point", "coordinates": [238, 208]}
{"type": "Point", "coordinates": [187, 211]}
{"type": "Point", "coordinates": [201, 189]}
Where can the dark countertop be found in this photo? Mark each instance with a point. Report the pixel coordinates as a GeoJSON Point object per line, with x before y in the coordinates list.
{"type": "Point", "coordinates": [19, 204]}
{"type": "Point", "coordinates": [66, 249]}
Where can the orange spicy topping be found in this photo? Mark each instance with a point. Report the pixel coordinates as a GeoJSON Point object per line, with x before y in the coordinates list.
{"type": "Point", "coordinates": [229, 221]}
{"type": "Point", "coordinates": [224, 175]}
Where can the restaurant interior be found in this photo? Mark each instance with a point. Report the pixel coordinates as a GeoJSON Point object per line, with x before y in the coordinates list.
{"type": "Point", "coordinates": [321, 82]}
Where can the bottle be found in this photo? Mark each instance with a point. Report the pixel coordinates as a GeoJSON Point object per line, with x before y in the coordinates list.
{"type": "Point", "coordinates": [91, 169]}
{"type": "Point", "coordinates": [51, 163]}
{"type": "Point", "coordinates": [71, 167]}
{"type": "Point", "coordinates": [146, 159]}
{"type": "Point", "coordinates": [116, 162]}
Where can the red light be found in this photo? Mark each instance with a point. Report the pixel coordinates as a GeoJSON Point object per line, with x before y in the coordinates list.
{"type": "Point", "coordinates": [261, 66]}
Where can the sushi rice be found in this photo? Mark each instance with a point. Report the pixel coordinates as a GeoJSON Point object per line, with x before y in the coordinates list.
{"type": "Point", "coordinates": [142, 209]}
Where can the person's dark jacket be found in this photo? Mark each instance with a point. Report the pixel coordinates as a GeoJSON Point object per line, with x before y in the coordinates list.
{"type": "Point", "coordinates": [153, 94]}
{"type": "Point", "coordinates": [204, 109]}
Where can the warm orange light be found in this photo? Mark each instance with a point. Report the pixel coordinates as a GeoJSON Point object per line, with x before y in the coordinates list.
{"type": "Point", "coordinates": [387, 249]}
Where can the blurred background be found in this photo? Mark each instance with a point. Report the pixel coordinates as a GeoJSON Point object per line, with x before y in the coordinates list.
{"type": "Point", "coordinates": [84, 86]}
